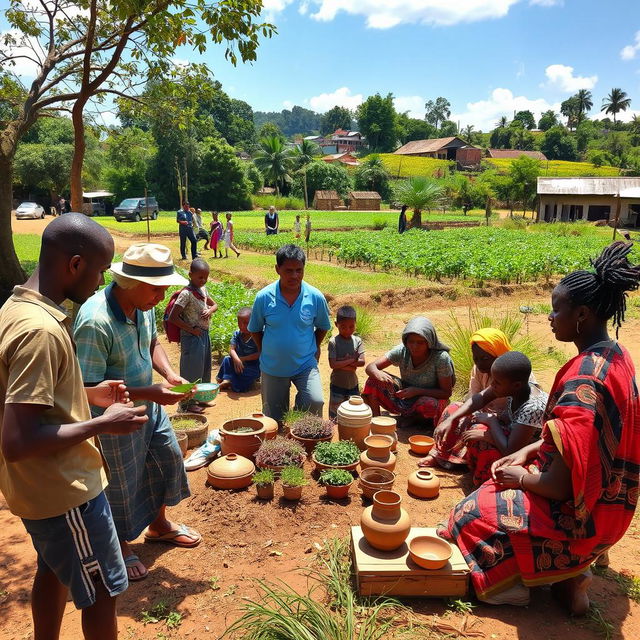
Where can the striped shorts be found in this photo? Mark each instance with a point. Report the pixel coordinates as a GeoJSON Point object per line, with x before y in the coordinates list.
{"type": "Point", "coordinates": [81, 548]}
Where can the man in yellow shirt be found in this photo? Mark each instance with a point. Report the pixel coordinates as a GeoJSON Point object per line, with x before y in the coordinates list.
{"type": "Point", "coordinates": [51, 472]}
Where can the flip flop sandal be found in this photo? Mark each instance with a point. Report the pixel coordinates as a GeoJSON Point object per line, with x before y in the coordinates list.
{"type": "Point", "coordinates": [170, 537]}
{"type": "Point", "coordinates": [130, 562]}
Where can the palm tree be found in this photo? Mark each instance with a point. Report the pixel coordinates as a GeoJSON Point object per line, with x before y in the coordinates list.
{"type": "Point", "coordinates": [584, 101]}
{"type": "Point", "coordinates": [419, 193]}
{"type": "Point", "coordinates": [615, 102]}
{"type": "Point", "coordinates": [503, 122]}
{"type": "Point", "coordinates": [467, 133]}
{"type": "Point", "coordinates": [275, 162]}
{"type": "Point", "coordinates": [305, 152]}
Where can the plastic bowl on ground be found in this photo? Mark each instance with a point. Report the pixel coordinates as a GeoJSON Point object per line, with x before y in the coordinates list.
{"type": "Point", "coordinates": [430, 552]}
{"type": "Point", "coordinates": [421, 444]}
{"type": "Point", "coordinates": [206, 391]}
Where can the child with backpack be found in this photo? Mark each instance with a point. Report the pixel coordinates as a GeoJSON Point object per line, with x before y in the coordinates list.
{"type": "Point", "coordinates": [190, 311]}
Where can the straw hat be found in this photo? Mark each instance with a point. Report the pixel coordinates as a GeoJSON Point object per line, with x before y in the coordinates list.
{"type": "Point", "coordinates": [150, 263]}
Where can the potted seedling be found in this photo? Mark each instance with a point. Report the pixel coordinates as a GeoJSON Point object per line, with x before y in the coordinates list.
{"type": "Point", "coordinates": [194, 425]}
{"type": "Point", "coordinates": [343, 454]}
{"type": "Point", "coordinates": [279, 453]}
{"type": "Point", "coordinates": [264, 481]}
{"type": "Point", "coordinates": [293, 479]}
{"type": "Point", "coordinates": [290, 417]}
{"type": "Point", "coordinates": [308, 430]}
{"type": "Point", "coordinates": [337, 482]}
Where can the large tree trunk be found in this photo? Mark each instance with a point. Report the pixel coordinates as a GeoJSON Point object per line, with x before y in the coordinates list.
{"type": "Point", "coordinates": [416, 219]}
{"type": "Point", "coordinates": [11, 273]}
{"type": "Point", "coordinates": [79, 148]}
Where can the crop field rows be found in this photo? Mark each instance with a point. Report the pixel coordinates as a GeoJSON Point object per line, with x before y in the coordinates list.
{"type": "Point", "coordinates": [478, 255]}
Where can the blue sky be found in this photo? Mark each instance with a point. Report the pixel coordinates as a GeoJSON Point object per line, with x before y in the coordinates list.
{"type": "Point", "coordinates": [488, 57]}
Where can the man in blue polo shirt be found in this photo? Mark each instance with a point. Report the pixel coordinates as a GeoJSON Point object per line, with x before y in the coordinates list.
{"type": "Point", "coordinates": [184, 218]}
{"type": "Point", "coordinates": [289, 320]}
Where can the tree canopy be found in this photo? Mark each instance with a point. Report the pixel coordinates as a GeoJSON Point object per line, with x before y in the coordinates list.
{"type": "Point", "coordinates": [377, 120]}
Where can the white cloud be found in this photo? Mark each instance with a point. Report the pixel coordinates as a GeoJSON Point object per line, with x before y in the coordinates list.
{"type": "Point", "coordinates": [623, 116]}
{"type": "Point", "coordinates": [631, 50]}
{"type": "Point", "coordinates": [547, 3]}
{"type": "Point", "coordinates": [413, 104]}
{"type": "Point", "coordinates": [341, 97]}
{"type": "Point", "coordinates": [26, 68]}
{"type": "Point", "coordinates": [484, 114]}
{"type": "Point", "coordinates": [287, 104]}
{"type": "Point", "coordinates": [561, 76]}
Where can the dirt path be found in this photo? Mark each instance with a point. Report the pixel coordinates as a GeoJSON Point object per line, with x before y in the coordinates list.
{"type": "Point", "coordinates": [245, 539]}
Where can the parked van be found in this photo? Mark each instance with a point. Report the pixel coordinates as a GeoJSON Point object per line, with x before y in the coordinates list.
{"type": "Point", "coordinates": [136, 209]}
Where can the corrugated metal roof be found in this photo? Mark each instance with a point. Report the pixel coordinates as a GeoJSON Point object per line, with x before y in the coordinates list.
{"type": "Point", "coordinates": [585, 186]}
{"type": "Point", "coordinates": [326, 195]}
{"type": "Point", "coordinates": [365, 195]}
{"type": "Point", "coordinates": [515, 154]}
{"type": "Point", "coordinates": [425, 146]}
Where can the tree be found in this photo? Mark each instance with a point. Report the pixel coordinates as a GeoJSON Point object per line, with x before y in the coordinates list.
{"type": "Point", "coordinates": [615, 102]}
{"type": "Point", "coordinates": [44, 165]}
{"type": "Point", "coordinates": [468, 133]}
{"type": "Point", "coordinates": [521, 139]}
{"type": "Point", "coordinates": [570, 108]}
{"type": "Point", "coordinates": [558, 144]}
{"type": "Point", "coordinates": [527, 119]}
{"type": "Point", "coordinates": [414, 129]}
{"type": "Point", "coordinates": [275, 162]}
{"type": "Point", "coordinates": [503, 122]}
{"type": "Point", "coordinates": [322, 176]}
{"type": "Point", "coordinates": [270, 130]}
{"type": "Point", "coordinates": [448, 128]}
{"type": "Point", "coordinates": [524, 174]}
{"type": "Point", "coordinates": [305, 153]}
{"type": "Point", "coordinates": [437, 110]}
{"type": "Point", "coordinates": [419, 193]}
{"type": "Point", "coordinates": [547, 120]}
{"type": "Point", "coordinates": [372, 175]}
{"type": "Point", "coordinates": [254, 177]}
{"type": "Point", "coordinates": [500, 138]}
{"type": "Point", "coordinates": [377, 120]}
{"type": "Point", "coordinates": [584, 100]}
{"type": "Point", "coordinates": [336, 118]}
{"type": "Point", "coordinates": [85, 51]}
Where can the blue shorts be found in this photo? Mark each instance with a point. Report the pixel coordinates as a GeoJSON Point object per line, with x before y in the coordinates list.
{"type": "Point", "coordinates": [81, 548]}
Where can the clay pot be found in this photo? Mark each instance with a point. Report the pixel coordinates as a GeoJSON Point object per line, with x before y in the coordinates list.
{"type": "Point", "coordinates": [291, 493]}
{"type": "Point", "coordinates": [265, 491]}
{"type": "Point", "coordinates": [423, 484]}
{"type": "Point", "coordinates": [230, 472]}
{"type": "Point", "coordinates": [244, 443]}
{"type": "Point", "coordinates": [196, 436]}
{"type": "Point", "coordinates": [375, 479]}
{"type": "Point", "coordinates": [378, 453]}
{"type": "Point", "coordinates": [319, 466]}
{"type": "Point", "coordinates": [182, 438]}
{"type": "Point", "coordinates": [421, 444]}
{"type": "Point", "coordinates": [354, 420]}
{"type": "Point", "coordinates": [385, 524]}
{"type": "Point", "coordinates": [385, 425]}
{"type": "Point", "coordinates": [337, 492]}
{"type": "Point", "coordinates": [430, 552]}
{"type": "Point", "coordinates": [270, 425]}
{"type": "Point", "coordinates": [309, 444]}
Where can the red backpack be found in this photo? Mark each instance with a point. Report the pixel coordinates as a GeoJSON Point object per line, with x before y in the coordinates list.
{"type": "Point", "coordinates": [171, 330]}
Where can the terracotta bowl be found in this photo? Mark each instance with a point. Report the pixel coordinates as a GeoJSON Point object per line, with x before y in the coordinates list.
{"type": "Point", "coordinates": [421, 444]}
{"type": "Point", "coordinates": [430, 552]}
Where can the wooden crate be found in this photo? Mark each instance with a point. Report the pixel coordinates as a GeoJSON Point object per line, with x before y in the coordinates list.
{"type": "Point", "coordinates": [394, 573]}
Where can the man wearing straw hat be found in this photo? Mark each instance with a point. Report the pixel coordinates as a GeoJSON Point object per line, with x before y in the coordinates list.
{"type": "Point", "coordinates": [115, 331]}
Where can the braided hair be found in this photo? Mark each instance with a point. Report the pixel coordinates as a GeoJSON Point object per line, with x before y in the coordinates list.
{"type": "Point", "coordinates": [604, 287]}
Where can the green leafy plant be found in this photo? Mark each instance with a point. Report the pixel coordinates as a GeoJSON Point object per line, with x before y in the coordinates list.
{"type": "Point", "coordinates": [366, 323]}
{"type": "Point", "coordinates": [280, 452]}
{"type": "Point", "coordinates": [264, 477]}
{"type": "Point", "coordinates": [336, 477]}
{"type": "Point", "coordinates": [162, 612]}
{"type": "Point", "coordinates": [185, 424]}
{"type": "Point", "coordinates": [293, 476]}
{"type": "Point", "coordinates": [312, 427]}
{"type": "Point", "coordinates": [336, 454]}
{"type": "Point", "coordinates": [291, 416]}
{"type": "Point", "coordinates": [214, 583]}
{"type": "Point", "coordinates": [460, 606]}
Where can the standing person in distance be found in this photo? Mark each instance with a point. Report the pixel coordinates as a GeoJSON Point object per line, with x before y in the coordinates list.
{"type": "Point", "coordinates": [402, 219]}
{"type": "Point", "coordinates": [271, 221]}
{"type": "Point", "coordinates": [215, 230]}
{"type": "Point", "coordinates": [228, 238]}
{"type": "Point", "coordinates": [51, 472]}
{"type": "Point", "coordinates": [184, 218]}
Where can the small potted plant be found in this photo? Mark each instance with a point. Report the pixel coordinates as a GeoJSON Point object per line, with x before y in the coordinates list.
{"type": "Point", "coordinates": [194, 425]}
{"type": "Point", "coordinates": [336, 455]}
{"type": "Point", "coordinates": [293, 479]}
{"type": "Point", "coordinates": [264, 480]}
{"type": "Point", "coordinates": [308, 430]}
{"type": "Point", "coordinates": [291, 416]}
{"type": "Point", "coordinates": [337, 482]}
{"type": "Point", "coordinates": [279, 453]}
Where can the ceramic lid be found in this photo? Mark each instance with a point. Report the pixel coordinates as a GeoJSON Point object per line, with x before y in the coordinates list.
{"type": "Point", "coordinates": [231, 466]}
{"type": "Point", "coordinates": [354, 406]}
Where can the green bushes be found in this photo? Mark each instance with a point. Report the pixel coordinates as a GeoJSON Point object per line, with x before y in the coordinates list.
{"type": "Point", "coordinates": [279, 202]}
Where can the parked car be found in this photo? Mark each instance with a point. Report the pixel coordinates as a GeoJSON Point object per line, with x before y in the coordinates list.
{"type": "Point", "coordinates": [29, 210]}
{"type": "Point", "coordinates": [136, 209]}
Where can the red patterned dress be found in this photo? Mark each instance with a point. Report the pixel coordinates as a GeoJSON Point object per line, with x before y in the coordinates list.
{"type": "Point", "coordinates": [593, 422]}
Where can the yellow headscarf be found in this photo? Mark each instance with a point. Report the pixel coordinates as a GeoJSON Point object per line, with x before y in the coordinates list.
{"type": "Point", "coordinates": [492, 341]}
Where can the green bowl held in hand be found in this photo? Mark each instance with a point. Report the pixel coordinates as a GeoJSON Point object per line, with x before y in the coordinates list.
{"type": "Point", "coordinates": [206, 391]}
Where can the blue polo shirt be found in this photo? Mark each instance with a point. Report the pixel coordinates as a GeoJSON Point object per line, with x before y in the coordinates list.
{"type": "Point", "coordinates": [184, 215]}
{"type": "Point", "coordinates": [289, 343]}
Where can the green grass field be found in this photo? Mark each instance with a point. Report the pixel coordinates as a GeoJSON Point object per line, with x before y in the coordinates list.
{"type": "Point", "coordinates": [408, 166]}
{"type": "Point", "coordinates": [561, 168]}
{"type": "Point", "coordinates": [254, 220]}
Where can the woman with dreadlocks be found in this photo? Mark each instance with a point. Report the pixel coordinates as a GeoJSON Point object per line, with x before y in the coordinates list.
{"type": "Point", "coordinates": [555, 506]}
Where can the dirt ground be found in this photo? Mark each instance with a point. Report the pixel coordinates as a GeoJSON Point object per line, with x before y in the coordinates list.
{"type": "Point", "coordinates": [246, 539]}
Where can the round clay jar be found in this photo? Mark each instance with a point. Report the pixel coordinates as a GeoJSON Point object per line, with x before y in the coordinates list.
{"type": "Point", "coordinates": [423, 484]}
{"type": "Point", "coordinates": [378, 453]}
{"type": "Point", "coordinates": [354, 420]}
{"type": "Point", "coordinates": [270, 425]}
{"type": "Point", "coordinates": [385, 524]}
{"type": "Point", "coordinates": [230, 472]}
{"type": "Point", "coordinates": [385, 425]}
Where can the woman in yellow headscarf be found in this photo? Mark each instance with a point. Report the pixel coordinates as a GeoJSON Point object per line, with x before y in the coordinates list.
{"type": "Point", "coordinates": [451, 447]}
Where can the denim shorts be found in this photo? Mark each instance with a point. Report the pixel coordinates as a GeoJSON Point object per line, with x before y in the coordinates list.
{"type": "Point", "coordinates": [81, 548]}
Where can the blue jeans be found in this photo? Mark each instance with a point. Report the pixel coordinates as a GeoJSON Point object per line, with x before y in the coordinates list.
{"type": "Point", "coordinates": [275, 393]}
{"type": "Point", "coordinates": [195, 356]}
{"type": "Point", "coordinates": [186, 232]}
